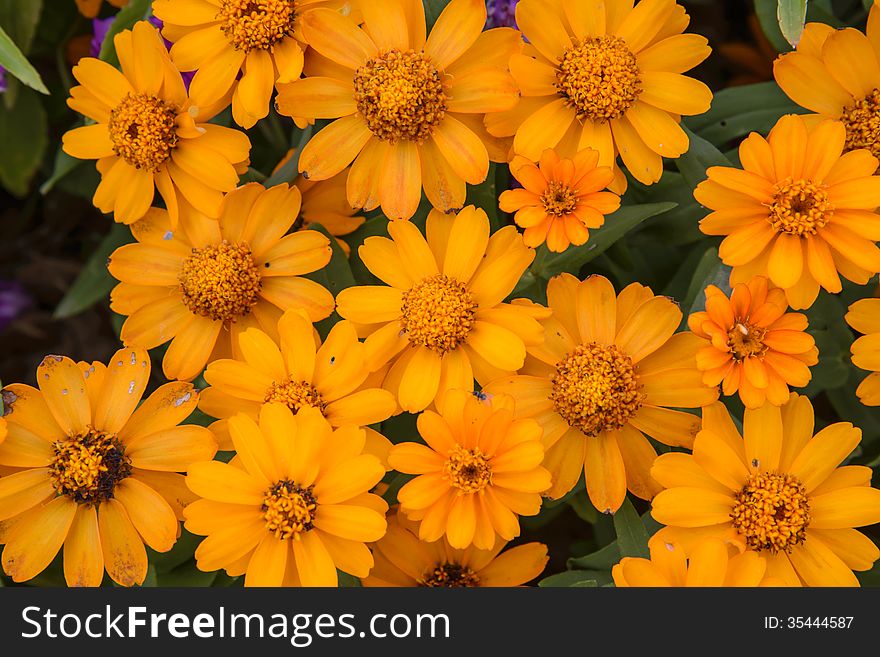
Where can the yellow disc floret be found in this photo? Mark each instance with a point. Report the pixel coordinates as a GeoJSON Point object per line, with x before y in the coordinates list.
{"type": "Point", "coordinates": [220, 281]}
{"type": "Point", "coordinates": [799, 207]}
{"type": "Point", "coordinates": [438, 313]}
{"type": "Point", "coordinates": [87, 467]}
{"type": "Point", "coordinates": [746, 340]}
{"type": "Point", "coordinates": [772, 511]}
{"type": "Point", "coordinates": [599, 78]}
{"type": "Point", "coordinates": [289, 509]}
{"type": "Point", "coordinates": [295, 395]}
{"type": "Point", "coordinates": [468, 470]}
{"type": "Point", "coordinates": [256, 24]}
{"type": "Point", "coordinates": [595, 388]}
{"type": "Point", "coordinates": [450, 575]}
{"type": "Point", "coordinates": [559, 199]}
{"type": "Point", "coordinates": [143, 130]}
{"type": "Point", "coordinates": [400, 95]}
{"type": "Point", "coordinates": [862, 121]}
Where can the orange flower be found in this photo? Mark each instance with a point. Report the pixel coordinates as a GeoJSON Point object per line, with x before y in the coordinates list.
{"type": "Point", "coordinates": [755, 347]}
{"type": "Point", "coordinates": [864, 317]}
{"type": "Point", "coordinates": [561, 199]}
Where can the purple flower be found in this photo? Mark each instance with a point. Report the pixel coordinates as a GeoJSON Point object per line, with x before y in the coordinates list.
{"type": "Point", "coordinates": [100, 27]}
{"type": "Point", "coordinates": [13, 300]}
{"type": "Point", "coordinates": [2, 79]}
{"type": "Point", "coordinates": [500, 13]}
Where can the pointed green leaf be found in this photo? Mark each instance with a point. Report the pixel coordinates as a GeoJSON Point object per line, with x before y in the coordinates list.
{"type": "Point", "coordinates": [632, 537]}
{"type": "Point", "coordinates": [791, 16]}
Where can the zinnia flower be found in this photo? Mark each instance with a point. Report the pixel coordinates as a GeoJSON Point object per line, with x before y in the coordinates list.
{"type": "Point", "coordinates": [864, 317]}
{"type": "Point", "coordinates": [238, 48]}
{"type": "Point", "coordinates": [798, 212]}
{"type": "Point", "coordinates": [148, 135]}
{"type": "Point", "coordinates": [710, 564]}
{"type": "Point", "coordinates": [402, 559]}
{"type": "Point", "coordinates": [479, 471]}
{"type": "Point", "coordinates": [303, 373]}
{"type": "Point", "coordinates": [398, 100]}
{"type": "Point", "coordinates": [606, 76]}
{"type": "Point", "coordinates": [755, 347]}
{"type": "Point", "coordinates": [95, 472]}
{"type": "Point", "coordinates": [776, 490]}
{"type": "Point", "coordinates": [561, 199]}
{"type": "Point", "coordinates": [295, 506]}
{"type": "Point", "coordinates": [203, 285]}
{"type": "Point", "coordinates": [611, 370]}
{"type": "Point", "coordinates": [836, 73]}
{"type": "Point", "coordinates": [439, 319]}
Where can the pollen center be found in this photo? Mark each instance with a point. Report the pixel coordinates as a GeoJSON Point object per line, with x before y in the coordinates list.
{"type": "Point", "coordinates": [559, 200]}
{"type": "Point", "coordinates": [143, 130]}
{"type": "Point", "coordinates": [438, 313]}
{"type": "Point", "coordinates": [599, 78]}
{"type": "Point", "coordinates": [296, 395]}
{"type": "Point", "coordinates": [862, 121]}
{"type": "Point", "coordinates": [450, 576]}
{"type": "Point", "coordinates": [401, 95]}
{"type": "Point", "coordinates": [88, 466]}
{"type": "Point", "coordinates": [256, 24]}
{"type": "Point", "coordinates": [289, 509]}
{"type": "Point", "coordinates": [746, 340]}
{"type": "Point", "coordinates": [772, 511]}
{"type": "Point", "coordinates": [595, 388]}
{"type": "Point", "coordinates": [468, 470]}
{"type": "Point", "coordinates": [799, 207]}
{"type": "Point", "coordinates": [220, 281]}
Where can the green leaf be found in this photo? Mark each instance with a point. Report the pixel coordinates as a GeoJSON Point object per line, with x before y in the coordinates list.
{"type": "Point", "coordinates": [134, 11]}
{"type": "Point", "coordinates": [700, 156]}
{"type": "Point", "coordinates": [709, 271]}
{"type": "Point", "coordinates": [578, 578]}
{"type": "Point", "coordinates": [94, 281]}
{"type": "Point", "coordinates": [632, 537]}
{"type": "Point", "coordinates": [23, 130]}
{"type": "Point", "coordinates": [20, 19]}
{"type": "Point", "coordinates": [767, 13]}
{"type": "Point", "coordinates": [602, 559]}
{"type": "Point", "coordinates": [433, 9]}
{"type": "Point", "coordinates": [288, 171]}
{"type": "Point", "coordinates": [791, 16]}
{"type": "Point", "coordinates": [17, 65]}
{"type": "Point", "coordinates": [485, 196]}
{"type": "Point", "coordinates": [618, 224]}
{"type": "Point", "coordinates": [64, 164]}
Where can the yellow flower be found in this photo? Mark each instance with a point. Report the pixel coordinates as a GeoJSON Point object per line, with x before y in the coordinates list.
{"type": "Point", "coordinates": [836, 73]}
{"type": "Point", "coordinates": [798, 212]}
{"type": "Point", "coordinates": [755, 347]}
{"type": "Point", "coordinates": [439, 320]}
{"type": "Point", "coordinates": [776, 490]}
{"type": "Point", "coordinates": [203, 285]}
{"type": "Point", "coordinates": [303, 373]}
{"type": "Point", "coordinates": [93, 472]}
{"type": "Point", "coordinates": [561, 199]}
{"type": "Point", "coordinates": [238, 48]}
{"type": "Point", "coordinates": [402, 559]}
{"type": "Point", "coordinates": [710, 564]}
{"type": "Point", "coordinates": [294, 505]}
{"type": "Point", "coordinates": [610, 370]}
{"type": "Point", "coordinates": [864, 317]}
{"type": "Point", "coordinates": [608, 76]}
{"type": "Point", "coordinates": [90, 8]}
{"type": "Point", "coordinates": [398, 99]}
{"type": "Point", "coordinates": [480, 470]}
{"type": "Point", "coordinates": [148, 135]}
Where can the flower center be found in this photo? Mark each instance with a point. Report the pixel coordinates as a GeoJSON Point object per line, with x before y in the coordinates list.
{"type": "Point", "coordinates": [595, 388]}
{"type": "Point", "coordinates": [256, 24]}
{"type": "Point", "coordinates": [401, 95]}
{"type": "Point", "coordinates": [772, 511]}
{"type": "Point", "coordinates": [88, 466]}
{"type": "Point", "coordinates": [296, 395]}
{"type": "Point", "coordinates": [862, 121]}
{"type": "Point", "coordinates": [799, 207]}
{"type": "Point", "coordinates": [143, 129]}
{"type": "Point", "coordinates": [559, 199]}
{"type": "Point", "coordinates": [746, 340]}
{"type": "Point", "coordinates": [289, 509]}
{"type": "Point", "coordinates": [468, 469]}
{"type": "Point", "coordinates": [599, 78]}
{"type": "Point", "coordinates": [450, 576]}
{"type": "Point", "coordinates": [220, 281]}
{"type": "Point", "coordinates": [438, 313]}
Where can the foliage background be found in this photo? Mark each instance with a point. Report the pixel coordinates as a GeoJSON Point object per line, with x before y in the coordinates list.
{"type": "Point", "coordinates": [54, 285]}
